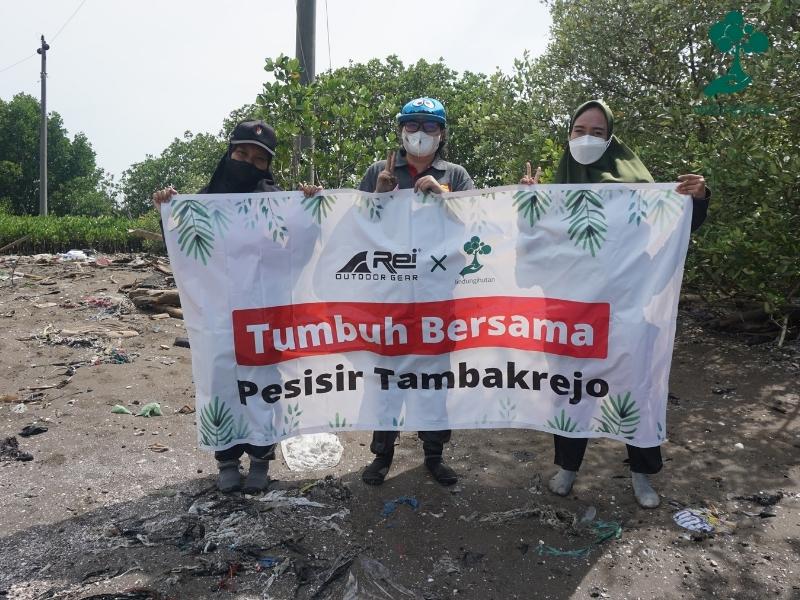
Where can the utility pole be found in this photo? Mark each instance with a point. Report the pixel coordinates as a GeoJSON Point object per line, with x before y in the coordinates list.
{"type": "Point", "coordinates": [43, 134]}
{"type": "Point", "coordinates": [304, 52]}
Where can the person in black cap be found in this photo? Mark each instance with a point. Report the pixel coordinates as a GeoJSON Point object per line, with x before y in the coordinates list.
{"type": "Point", "coordinates": [245, 167]}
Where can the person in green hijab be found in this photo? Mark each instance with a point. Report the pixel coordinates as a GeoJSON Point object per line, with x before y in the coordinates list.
{"type": "Point", "coordinates": [596, 155]}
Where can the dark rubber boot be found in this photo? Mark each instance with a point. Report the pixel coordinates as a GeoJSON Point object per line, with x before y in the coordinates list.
{"type": "Point", "coordinates": [229, 479]}
{"type": "Point", "coordinates": [376, 471]}
{"type": "Point", "coordinates": [257, 478]}
{"type": "Point", "coordinates": [440, 471]}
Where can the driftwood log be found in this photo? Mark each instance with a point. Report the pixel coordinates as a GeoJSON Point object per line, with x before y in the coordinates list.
{"type": "Point", "coordinates": [158, 301]}
{"type": "Point", "coordinates": [146, 235]}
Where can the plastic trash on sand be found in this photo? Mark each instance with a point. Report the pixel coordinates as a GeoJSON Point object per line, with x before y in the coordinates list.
{"type": "Point", "coordinates": [369, 579]}
{"type": "Point", "coordinates": [75, 255]}
{"type": "Point", "coordinates": [312, 452]}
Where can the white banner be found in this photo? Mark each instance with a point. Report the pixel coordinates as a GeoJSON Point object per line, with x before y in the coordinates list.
{"type": "Point", "coordinates": [549, 307]}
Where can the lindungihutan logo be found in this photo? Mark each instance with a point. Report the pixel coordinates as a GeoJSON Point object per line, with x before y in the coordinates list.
{"type": "Point", "coordinates": [733, 36]}
{"type": "Point", "coordinates": [474, 247]}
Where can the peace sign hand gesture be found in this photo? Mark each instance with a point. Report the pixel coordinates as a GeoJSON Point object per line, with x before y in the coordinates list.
{"type": "Point", "coordinates": [527, 179]}
{"type": "Point", "coordinates": [386, 179]}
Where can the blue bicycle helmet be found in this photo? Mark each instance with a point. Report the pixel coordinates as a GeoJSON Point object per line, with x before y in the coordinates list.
{"type": "Point", "coordinates": [423, 109]}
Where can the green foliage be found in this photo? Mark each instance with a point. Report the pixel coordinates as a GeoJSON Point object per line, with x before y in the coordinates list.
{"type": "Point", "coordinates": [75, 184]}
{"type": "Point", "coordinates": [186, 164]}
{"type": "Point", "coordinates": [350, 112]}
{"type": "Point", "coordinates": [652, 72]}
{"type": "Point", "coordinates": [59, 234]}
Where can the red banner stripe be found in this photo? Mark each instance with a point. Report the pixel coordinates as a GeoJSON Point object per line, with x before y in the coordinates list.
{"type": "Point", "coordinates": [265, 336]}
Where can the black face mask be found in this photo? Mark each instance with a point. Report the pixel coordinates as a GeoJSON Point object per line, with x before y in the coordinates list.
{"type": "Point", "coordinates": [240, 176]}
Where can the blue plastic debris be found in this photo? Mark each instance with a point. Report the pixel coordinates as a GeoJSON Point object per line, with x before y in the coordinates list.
{"type": "Point", "coordinates": [268, 562]}
{"type": "Point", "coordinates": [391, 505]}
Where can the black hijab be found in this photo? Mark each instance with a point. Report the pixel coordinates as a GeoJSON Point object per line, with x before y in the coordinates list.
{"type": "Point", "coordinates": [237, 177]}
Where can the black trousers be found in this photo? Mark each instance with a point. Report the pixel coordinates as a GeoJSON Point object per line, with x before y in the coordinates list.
{"type": "Point", "coordinates": [570, 451]}
{"type": "Point", "coordinates": [432, 442]}
{"type": "Point", "coordinates": [236, 452]}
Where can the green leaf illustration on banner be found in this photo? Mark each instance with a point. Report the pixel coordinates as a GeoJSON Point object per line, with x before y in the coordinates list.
{"type": "Point", "coordinates": [480, 220]}
{"type": "Point", "coordinates": [216, 424]}
{"type": "Point", "coordinates": [666, 208]}
{"type": "Point", "coordinates": [245, 208]}
{"type": "Point", "coordinates": [319, 206]}
{"type": "Point", "coordinates": [221, 220]}
{"type": "Point", "coordinates": [532, 205]}
{"type": "Point", "coordinates": [398, 422]}
{"type": "Point", "coordinates": [562, 422]}
{"type": "Point", "coordinates": [370, 207]}
{"type": "Point", "coordinates": [242, 428]}
{"type": "Point", "coordinates": [482, 421]}
{"type": "Point", "coordinates": [339, 422]}
{"type": "Point", "coordinates": [660, 434]}
{"type": "Point", "coordinates": [507, 409]}
{"type": "Point", "coordinates": [195, 235]}
{"type": "Point", "coordinates": [291, 419]}
{"type": "Point", "coordinates": [620, 416]}
{"type": "Point", "coordinates": [275, 222]}
{"type": "Point", "coordinates": [587, 221]}
{"type": "Point", "coordinates": [266, 207]}
{"type": "Point", "coordinates": [269, 430]}
{"type": "Point", "coordinates": [425, 197]}
{"type": "Point", "coordinates": [637, 209]}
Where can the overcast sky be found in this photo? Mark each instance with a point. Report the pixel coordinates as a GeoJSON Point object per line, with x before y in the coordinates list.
{"type": "Point", "coordinates": [134, 75]}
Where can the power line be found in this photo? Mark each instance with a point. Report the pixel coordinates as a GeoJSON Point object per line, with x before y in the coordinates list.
{"type": "Point", "coordinates": [72, 16]}
{"type": "Point", "coordinates": [19, 62]}
{"type": "Point", "coordinates": [68, 20]}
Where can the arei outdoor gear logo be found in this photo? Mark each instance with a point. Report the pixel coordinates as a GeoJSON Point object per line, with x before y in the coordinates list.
{"type": "Point", "coordinates": [474, 247]}
{"type": "Point", "coordinates": [732, 35]}
{"type": "Point", "coordinates": [377, 264]}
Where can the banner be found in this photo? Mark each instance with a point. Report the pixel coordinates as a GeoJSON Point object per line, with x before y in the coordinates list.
{"type": "Point", "coordinates": [547, 307]}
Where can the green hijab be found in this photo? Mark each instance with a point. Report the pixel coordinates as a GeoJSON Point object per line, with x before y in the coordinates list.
{"type": "Point", "coordinates": [617, 165]}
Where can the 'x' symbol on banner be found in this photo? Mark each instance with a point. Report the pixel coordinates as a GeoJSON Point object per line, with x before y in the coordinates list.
{"type": "Point", "coordinates": [438, 263]}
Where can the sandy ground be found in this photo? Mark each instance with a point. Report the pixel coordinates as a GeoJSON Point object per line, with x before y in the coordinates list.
{"type": "Point", "coordinates": [98, 513]}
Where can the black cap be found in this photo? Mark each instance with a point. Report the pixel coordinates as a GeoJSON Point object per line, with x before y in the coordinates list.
{"type": "Point", "coordinates": [255, 132]}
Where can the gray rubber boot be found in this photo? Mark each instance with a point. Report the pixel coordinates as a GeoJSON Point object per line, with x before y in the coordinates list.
{"type": "Point", "coordinates": [646, 496]}
{"type": "Point", "coordinates": [561, 483]}
{"type": "Point", "coordinates": [257, 478]}
{"type": "Point", "coordinates": [229, 479]}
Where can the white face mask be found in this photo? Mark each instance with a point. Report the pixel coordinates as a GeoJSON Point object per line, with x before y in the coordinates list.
{"type": "Point", "coordinates": [420, 143]}
{"type": "Point", "coordinates": [588, 148]}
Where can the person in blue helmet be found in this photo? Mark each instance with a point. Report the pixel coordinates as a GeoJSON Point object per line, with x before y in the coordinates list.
{"type": "Point", "coordinates": [418, 164]}
{"type": "Point", "coordinates": [422, 129]}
